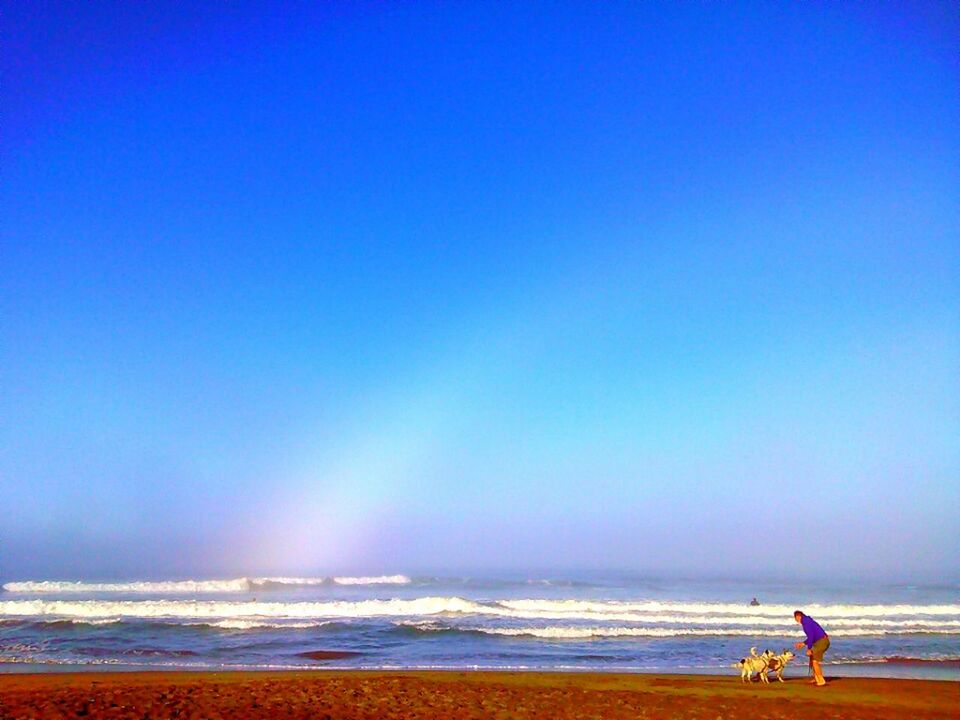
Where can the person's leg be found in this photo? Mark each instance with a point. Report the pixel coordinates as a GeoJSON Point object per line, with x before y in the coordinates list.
{"type": "Point", "coordinates": [816, 659]}
{"type": "Point", "coordinates": [818, 673]}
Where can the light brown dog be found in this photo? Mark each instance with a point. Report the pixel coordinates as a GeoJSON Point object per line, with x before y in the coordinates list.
{"type": "Point", "coordinates": [777, 663]}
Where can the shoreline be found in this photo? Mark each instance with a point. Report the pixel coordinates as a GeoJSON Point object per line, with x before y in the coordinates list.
{"type": "Point", "coordinates": [320, 693]}
{"type": "Point", "coordinates": [939, 670]}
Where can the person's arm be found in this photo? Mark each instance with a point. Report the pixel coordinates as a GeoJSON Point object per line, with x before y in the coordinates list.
{"type": "Point", "coordinates": [806, 631]}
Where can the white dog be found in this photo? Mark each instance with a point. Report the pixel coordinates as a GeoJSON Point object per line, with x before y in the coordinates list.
{"type": "Point", "coordinates": [754, 664]}
{"type": "Point", "coordinates": [777, 663]}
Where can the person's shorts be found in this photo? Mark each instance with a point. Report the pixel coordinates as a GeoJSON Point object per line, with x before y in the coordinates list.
{"type": "Point", "coordinates": [819, 648]}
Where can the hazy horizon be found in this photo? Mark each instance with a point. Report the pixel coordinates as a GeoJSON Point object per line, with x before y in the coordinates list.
{"type": "Point", "coordinates": [363, 289]}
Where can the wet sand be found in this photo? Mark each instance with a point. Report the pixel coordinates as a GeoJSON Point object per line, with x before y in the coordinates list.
{"type": "Point", "coordinates": [340, 695]}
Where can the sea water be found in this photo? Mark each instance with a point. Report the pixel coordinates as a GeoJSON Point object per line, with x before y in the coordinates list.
{"type": "Point", "coordinates": [550, 622]}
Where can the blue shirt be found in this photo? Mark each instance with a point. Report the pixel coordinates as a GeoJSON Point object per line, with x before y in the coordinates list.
{"type": "Point", "coordinates": [813, 630]}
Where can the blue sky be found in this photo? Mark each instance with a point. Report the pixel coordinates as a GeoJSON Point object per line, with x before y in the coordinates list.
{"type": "Point", "coordinates": [447, 286]}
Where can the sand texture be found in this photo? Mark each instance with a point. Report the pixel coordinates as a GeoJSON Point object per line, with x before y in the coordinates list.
{"type": "Point", "coordinates": [420, 695]}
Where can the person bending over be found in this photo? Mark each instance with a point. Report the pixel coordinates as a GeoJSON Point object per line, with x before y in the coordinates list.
{"type": "Point", "coordinates": [817, 643]}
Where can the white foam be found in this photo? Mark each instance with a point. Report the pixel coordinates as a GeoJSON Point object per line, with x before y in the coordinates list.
{"type": "Point", "coordinates": [778, 611]}
{"type": "Point", "coordinates": [165, 587]}
{"type": "Point", "coordinates": [373, 580]}
{"type": "Point", "coordinates": [199, 609]}
{"type": "Point", "coordinates": [336, 580]}
{"type": "Point", "coordinates": [581, 633]}
{"type": "Point", "coordinates": [254, 624]}
{"type": "Point", "coordinates": [725, 621]}
{"type": "Point", "coordinates": [655, 617]}
{"type": "Point", "coordinates": [263, 582]}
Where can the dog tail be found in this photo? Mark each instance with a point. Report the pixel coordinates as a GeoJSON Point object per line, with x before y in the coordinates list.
{"type": "Point", "coordinates": [753, 651]}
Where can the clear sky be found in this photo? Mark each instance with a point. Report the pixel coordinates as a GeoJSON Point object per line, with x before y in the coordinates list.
{"type": "Point", "coordinates": [661, 287]}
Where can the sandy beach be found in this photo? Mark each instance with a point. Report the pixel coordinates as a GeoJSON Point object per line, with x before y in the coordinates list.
{"type": "Point", "coordinates": [346, 695]}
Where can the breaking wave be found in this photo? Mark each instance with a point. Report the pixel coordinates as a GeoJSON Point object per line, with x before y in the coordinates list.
{"type": "Point", "coordinates": [585, 633]}
{"type": "Point", "coordinates": [237, 585]}
{"type": "Point", "coordinates": [199, 609]}
{"type": "Point", "coordinates": [609, 618]}
{"type": "Point", "coordinates": [731, 609]}
{"type": "Point", "coordinates": [373, 580]}
{"type": "Point", "coordinates": [399, 621]}
{"type": "Point", "coordinates": [258, 624]}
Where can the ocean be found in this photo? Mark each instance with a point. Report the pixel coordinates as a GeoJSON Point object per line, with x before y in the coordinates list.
{"type": "Point", "coordinates": [563, 622]}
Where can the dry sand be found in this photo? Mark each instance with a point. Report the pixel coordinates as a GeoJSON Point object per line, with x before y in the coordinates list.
{"type": "Point", "coordinates": [323, 695]}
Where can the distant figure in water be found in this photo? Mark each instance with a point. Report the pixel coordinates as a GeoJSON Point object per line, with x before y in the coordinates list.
{"type": "Point", "coordinates": [754, 602]}
{"type": "Point", "coordinates": [817, 643]}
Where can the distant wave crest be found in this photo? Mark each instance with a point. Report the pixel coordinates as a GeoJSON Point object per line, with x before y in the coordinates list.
{"type": "Point", "coordinates": [170, 587]}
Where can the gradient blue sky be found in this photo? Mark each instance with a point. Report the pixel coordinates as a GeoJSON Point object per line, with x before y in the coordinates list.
{"type": "Point", "coordinates": [661, 287]}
